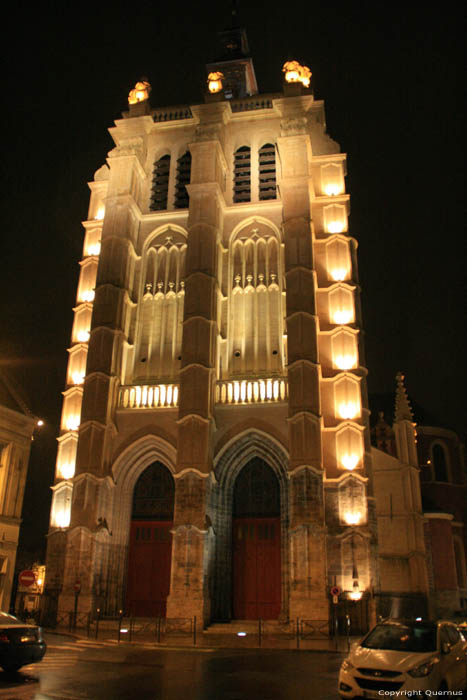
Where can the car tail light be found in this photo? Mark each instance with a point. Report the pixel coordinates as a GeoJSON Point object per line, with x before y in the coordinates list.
{"type": "Point", "coordinates": [4, 638]}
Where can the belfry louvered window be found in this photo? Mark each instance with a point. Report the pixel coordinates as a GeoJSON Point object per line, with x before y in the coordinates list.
{"type": "Point", "coordinates": [183, 179]}
{"type": "Point", "coordinates": [267, 171]}
{"type": "Point", "coordinates": [242, 175]}
{"type": "Point", "coordinates": [160, 184]}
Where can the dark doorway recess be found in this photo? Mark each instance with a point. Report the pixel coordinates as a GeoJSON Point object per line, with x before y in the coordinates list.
{"type": "Point", "coordinates": [256, 546]}
{"type": "Point", "coordinates": [150, 545]}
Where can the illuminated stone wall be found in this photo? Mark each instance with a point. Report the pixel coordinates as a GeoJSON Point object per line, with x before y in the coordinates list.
{"type": "Point", "coordinates": [207, 335]}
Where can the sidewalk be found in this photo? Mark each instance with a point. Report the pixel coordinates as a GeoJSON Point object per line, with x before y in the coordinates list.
{"type": "Point", "coordinates": [213, 639]}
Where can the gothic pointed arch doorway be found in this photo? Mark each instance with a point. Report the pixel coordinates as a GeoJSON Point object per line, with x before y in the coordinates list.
{"type": "Point", "coordinates": [256, 545]}
{"type": "Point", "coordinates": [150, 545]}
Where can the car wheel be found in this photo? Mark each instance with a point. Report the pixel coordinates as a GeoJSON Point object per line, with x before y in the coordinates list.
{"type": "Point", "coordinates": [11, 668]}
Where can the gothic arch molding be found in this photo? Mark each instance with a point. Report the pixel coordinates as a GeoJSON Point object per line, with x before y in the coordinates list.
{"type": "Point", "coordinates": [251, 221]}
{"type": "Point", "coordinates": [126, 471]}
{"type": "Point", "coordinates": [151, 237]}
{"type": "Point", "coordinates": [235, 455]}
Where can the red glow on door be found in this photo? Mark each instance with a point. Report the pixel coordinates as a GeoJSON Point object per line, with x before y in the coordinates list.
{"type": "Point", "coordinates": [256, 568]}
{"type": "Point", "coordinates": [150, 556]}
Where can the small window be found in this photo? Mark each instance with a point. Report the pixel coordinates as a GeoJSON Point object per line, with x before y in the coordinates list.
{"type": "Point", "coordinates": [183, 179]}
{"type": "Point", "coordinates": [160, 184]}
{"type": "Point", "coordinates": [267, 172]}
{"type": "Point", "coordinates": [242, 175]}
{"type": "Point", "coordinates": [439, 463]}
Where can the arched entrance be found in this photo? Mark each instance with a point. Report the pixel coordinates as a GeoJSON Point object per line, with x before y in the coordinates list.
{"type": "Point", "coordinates": [150, 545]}
{"type": "Point", "coordinates": [256, 545]}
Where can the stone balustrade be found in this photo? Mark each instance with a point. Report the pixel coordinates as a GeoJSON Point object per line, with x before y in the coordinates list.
{"type": "Point", "coordinates": [155, 396]}
{"type": "Point", "coordinates": [244, 391]}
{"type": "Point", "coordinates": [251, 391]}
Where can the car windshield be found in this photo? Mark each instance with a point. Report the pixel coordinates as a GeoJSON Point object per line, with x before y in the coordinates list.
{"type": "Point", "coordinates": [401, 637]}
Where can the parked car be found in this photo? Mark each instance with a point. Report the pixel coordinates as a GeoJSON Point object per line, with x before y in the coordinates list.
{"type": "Point", "coordinates": [20, 643]}
{"type": "Point", "coordinates": [397, 656]}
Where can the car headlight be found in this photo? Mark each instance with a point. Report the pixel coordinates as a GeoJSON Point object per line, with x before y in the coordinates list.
{"type": "Point", "coordinates": [347, 666]}
{"type": "Point", "coordinates": [423, 669]}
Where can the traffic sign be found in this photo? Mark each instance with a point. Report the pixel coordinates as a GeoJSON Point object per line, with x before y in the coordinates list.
{"type": "Point", "coordinates": [27, 578]}
{"type": "Point", "coordinates": [335, 599]}
{"type": "Point", "coordinates": [335, 590]}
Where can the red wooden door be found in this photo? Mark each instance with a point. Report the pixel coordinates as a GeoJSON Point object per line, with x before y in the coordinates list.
{"type": "Point", "coordinates": [150, 556]}
{"type": "Point", "coordinates": [256, 568]}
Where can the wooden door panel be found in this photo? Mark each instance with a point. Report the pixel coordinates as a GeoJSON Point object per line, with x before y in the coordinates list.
{"type": "Point", "coordinates": [256, 568]}
{"type": "Point", "coordinates": [149, 561]}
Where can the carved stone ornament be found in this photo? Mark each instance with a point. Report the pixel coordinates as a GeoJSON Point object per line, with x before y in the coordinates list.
{"type": "Point", "coordinates": [205, 132]}
{"type": "Point", "coordinates": [294, 126]}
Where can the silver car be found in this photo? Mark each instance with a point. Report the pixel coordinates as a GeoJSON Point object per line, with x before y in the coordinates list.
{"type": "Point", "coordinates": [398, 656]}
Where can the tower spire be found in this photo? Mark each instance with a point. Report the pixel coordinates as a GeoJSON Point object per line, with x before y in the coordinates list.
{"type": "Point", "coordinates": [404, 427]}
{"type": "Point", "coordinates": [402, 408]}
{"type": "Point", "coordinates": [233, 59]}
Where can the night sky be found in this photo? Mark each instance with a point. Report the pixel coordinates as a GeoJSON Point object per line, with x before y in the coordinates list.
{"type": "Point", "coordinates": [392, 80]}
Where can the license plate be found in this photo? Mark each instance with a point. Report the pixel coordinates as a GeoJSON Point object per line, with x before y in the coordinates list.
{"type": "Point", "coordinates": [371, 694]}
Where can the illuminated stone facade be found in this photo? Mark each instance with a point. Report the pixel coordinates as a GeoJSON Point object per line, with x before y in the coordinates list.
{"type": "Point", "coordinates": [218, 326]}
{"type": "Point", "coordinates": [16, 430]}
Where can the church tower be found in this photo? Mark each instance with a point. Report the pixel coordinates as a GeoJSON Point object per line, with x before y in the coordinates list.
{"type": "Point", "coordinates": [214, 457]}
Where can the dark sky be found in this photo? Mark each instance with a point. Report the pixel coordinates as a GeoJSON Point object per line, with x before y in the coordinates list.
{"type": "Point", "coordinates": [392, 80]}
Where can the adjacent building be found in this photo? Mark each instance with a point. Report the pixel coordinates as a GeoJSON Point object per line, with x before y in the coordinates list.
{"type": "Point", "coordinates": [16, 431]}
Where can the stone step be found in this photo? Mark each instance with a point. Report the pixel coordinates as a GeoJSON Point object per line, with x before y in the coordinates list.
{"type": "Point", "coordinates": [248, 626]}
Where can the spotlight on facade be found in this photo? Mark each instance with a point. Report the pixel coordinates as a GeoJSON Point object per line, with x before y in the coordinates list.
{"type": "Point", "coordinates": [335, 227]}
{"type": "Point", "coordinates": [349, 461]}
{"type": "Point", "coordinates": [352, 518]}
{"type": "Point", "coordinates": [345, 361]}
{"type": "Point", "coordinates": [67, 470]}
{"type": "Point", "coordinates": [348, 410]}
{"type": "Point", "coordinates": [215, 81]}
{"type": "Point", "coordinates": [140, 92]}
{"type": "Point", "coordinates": [241, 634]}
{"type": "Point", "coordinates": [295, 73]}
{"type": "Point", "coordinates": [332, 190]}
{"type": "Point", "coordinates": [356, 593]}
{"type": "Point", "coordinates": [339, 273]}
{"type": "Point", "coordinates": [342, 317]}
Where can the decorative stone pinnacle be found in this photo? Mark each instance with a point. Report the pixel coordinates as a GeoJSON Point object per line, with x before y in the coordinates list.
{"type": "Point", "coordinates": [402, 409]}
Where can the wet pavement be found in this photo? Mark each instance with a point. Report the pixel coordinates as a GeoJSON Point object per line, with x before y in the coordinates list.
{"type": "Point", "coordinates": [81, 669]}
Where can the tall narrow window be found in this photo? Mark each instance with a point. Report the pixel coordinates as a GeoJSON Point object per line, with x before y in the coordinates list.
{"type": "Point", "coordinates": [183, 179]}
{"type": "Point", "coordinates": [267, 172]}
{"type": "Point", "coordinates": [439, 463]}
{"type": "Point", "coordinates": [160, 184]}
{"type": "Point", "coordinates": [242, 175]}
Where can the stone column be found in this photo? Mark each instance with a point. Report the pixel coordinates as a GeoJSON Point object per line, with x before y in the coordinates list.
{"type": "Point", "coordinates": [189, 587]}
{"type": "Point", "coordinates": [307, 531]}
{"type": "Point", "coordinates": [109, 329]}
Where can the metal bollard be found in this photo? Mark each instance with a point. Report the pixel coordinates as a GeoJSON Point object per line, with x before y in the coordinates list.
{"type": "Point", "coordinates": [260, 640]}
{"type": "Point", "coordinates": [97, 622]}
{"type": "Point", "coordinates": [194, 631]}
{"type": "Point", "coordinates": [120, 620]}
{"type": "Point", "coordinates": [298, 633]}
